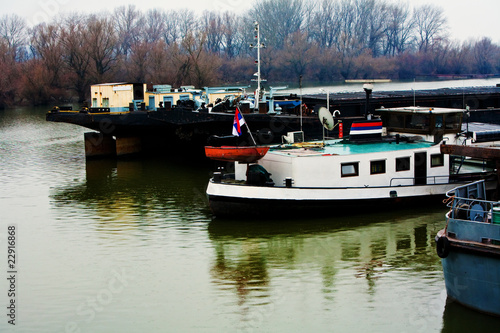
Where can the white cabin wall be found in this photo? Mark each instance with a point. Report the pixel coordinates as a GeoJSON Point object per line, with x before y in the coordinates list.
{"type": "Point", "coordinates": [280, 167]}
{"type": "Point", "coordinates": [441, 172]}
{"type": "Point", "coordinates": [240, 171]}
{"type": "Point", "coordinates": [325, 171]}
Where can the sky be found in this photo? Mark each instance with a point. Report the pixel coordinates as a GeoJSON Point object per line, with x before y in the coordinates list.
{"type": "Point", "coordinates": [466, 19]}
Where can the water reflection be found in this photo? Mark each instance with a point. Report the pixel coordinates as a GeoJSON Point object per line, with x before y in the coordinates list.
{"type": "Point", "coordinates": [344, 252]}
{"type": "Point", "coordinates": [137, 191]}
{"type": "Point", "coordinates": [458, 318]}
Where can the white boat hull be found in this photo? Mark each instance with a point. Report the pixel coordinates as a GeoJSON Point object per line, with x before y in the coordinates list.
{"type": "Point", "coordinates": [231, 199]}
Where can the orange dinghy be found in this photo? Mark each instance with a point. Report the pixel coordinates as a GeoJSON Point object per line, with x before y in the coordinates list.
{"type": "Point", "coordinates": [236, 154]}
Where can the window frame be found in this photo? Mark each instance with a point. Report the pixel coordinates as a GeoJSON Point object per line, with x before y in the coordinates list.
{"type": "Point", "coordinates": [441, 160]}
{"type": "Point", "coordinates": [378, 163]}
{"type": "Point", "coordinates": [355, 165]}
{"type": "Point", "coordinates": [407, 166]}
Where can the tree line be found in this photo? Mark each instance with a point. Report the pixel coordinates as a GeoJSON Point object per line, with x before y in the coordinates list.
{"type": "Point", "coordinates": [322, 40]}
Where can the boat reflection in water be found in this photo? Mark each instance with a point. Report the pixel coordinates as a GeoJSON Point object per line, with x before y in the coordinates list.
{"type": "Point", "coordinates": [134, 190]}
{"type": "Point", "coordinates": [348, 266]}
{"type": "Point", "coordinates": [458, 318]}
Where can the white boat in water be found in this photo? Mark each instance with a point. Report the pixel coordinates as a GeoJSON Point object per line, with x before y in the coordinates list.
{"type": "Point", "coordinates": [378, 165]}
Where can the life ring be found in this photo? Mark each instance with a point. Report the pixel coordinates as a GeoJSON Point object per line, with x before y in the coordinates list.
{"type": "Point", "coordinates": [443, 246]}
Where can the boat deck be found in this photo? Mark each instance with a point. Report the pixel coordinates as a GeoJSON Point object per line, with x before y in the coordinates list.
{"type": "Point", "coordinates": [340, 147]}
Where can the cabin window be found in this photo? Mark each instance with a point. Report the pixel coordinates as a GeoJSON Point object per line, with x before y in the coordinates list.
{"type": "Point", "coordinates": [396, 121]}
{"type": "Point", "coordinates": [437, 160]}
{"type": "Point", "coordinates": [377, 167]}
{"type": "Point", "coordinates": [452, 121]}
{"type": "Point", "coordinates": [94, 102]}
{"type": "Point", "coordinates": [418, 121]}
{"type": "Point", "coordinates": [438, 121]}
{"type": "Point", "coordinates": [402, 164]}
{"type": "Point", "coordinates": [105, 102]}
{"type": "Point", "coordinates": [350, 169]}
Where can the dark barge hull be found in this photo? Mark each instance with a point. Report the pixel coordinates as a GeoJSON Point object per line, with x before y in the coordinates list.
{"type": "Point", "coordinates": [224, 207]}
{"type": "Point", "coordinates": [188, 131]}
{"type": "Point", "coordinates": [184, 131]}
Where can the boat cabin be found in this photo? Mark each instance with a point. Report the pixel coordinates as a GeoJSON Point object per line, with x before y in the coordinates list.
{"type": "Point", "coordinates": [433, 124]}
{"type": "Point", "coordinates": [116, 96]}
{"type": "Point", "coordinates": [343, 164]}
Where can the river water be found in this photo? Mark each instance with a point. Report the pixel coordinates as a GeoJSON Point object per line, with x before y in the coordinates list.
{"type": "Point", "coordinates": [129, 245]}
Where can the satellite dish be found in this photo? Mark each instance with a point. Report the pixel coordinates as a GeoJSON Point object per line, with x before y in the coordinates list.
{"type": "Point", "coordinates": [326, 118]}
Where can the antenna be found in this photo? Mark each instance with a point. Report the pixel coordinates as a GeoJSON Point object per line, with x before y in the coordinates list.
{"type": "Point", "coordinates": [414, 102]}
{"type": "Point", "coordinates": [300, 88]}
{"type": "Point", "coordinates": [463, 95]}
{"type": "Point", "coordinates": [327, 98]}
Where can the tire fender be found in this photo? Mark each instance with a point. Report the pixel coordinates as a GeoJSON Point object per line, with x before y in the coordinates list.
{"type": "Point", "coordinates": [443, 247]}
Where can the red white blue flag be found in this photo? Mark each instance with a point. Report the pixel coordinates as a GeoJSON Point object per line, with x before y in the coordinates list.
{"type": "Point", "coordinates": [366, 127]}
{"type": "Point", "coordinates": [238, 122]}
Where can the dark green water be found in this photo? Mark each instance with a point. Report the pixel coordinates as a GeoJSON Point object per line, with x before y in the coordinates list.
{"type": "Point", "coordinates": [130, 246]}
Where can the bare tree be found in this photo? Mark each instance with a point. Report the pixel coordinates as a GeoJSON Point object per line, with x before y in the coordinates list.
{"type": "Point", "coordinates": [172, 24]}
{"type": "Point", "coordinates": [128, 24]}
{"type": "Point", "coordinates": [485, 53]}
{"type": "Point", "coordinates": [233, 38]}
{"type": "Point", "coordinates": [430, 26]}
{"type": "Point", "coordinates": [323, 25]}
{"type": "Point", "coordinates": [359, 24]}
{"type": "Point", "coordinates": [278, 19]}
{"type": "Point", "coordinates": [460, 58]}
{"type": "Point", "coordinates": [76, 55]}
{"type": "Point", "coordinates": [212, 24]}
{"type": "Point", "coordinates": [101, 41]}
{"type": "Point", "coordinates": [13, 31]}
{"type": "Point", "coordinates": [137, 62]}
{"type": "Point", "coordinates": [155, 27]}
{"type": "Point", "coordinates": [196, 66]}
{"type": "Point", "coordinates": [187, 23]}
{"type": "Point", "coordinates": [398, 32]}
{"type": "Point", "coordinates": [46, 45]}
{"type": "Point", "coordinates": [372, 13]}
{"type": "Point", "coordinates": [298, 53]}
{"type": "Point", "coordinates": [160, 68]}
{"type": "Point", "coordinates": [9, 82]}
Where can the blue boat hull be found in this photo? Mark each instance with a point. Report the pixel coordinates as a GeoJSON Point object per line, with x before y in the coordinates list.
{"type": "Point", "coordinates": [473, 279]}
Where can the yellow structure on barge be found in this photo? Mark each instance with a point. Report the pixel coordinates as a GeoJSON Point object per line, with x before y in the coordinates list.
{"type": "Point", "coordinates": [125, 96]}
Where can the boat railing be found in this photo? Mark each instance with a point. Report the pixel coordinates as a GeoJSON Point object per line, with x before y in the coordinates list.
{"type": "Point", "coordinates": [468, 202]}
{"type": "Point", "coordinates": [409, 181]}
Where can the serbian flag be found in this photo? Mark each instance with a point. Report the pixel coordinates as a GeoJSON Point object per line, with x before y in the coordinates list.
{"type": "Point", "coordinates": [238, 122]}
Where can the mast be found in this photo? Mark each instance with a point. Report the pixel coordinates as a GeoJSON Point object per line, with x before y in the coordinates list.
{"type": "Point", "coordinates": [257, 46]}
